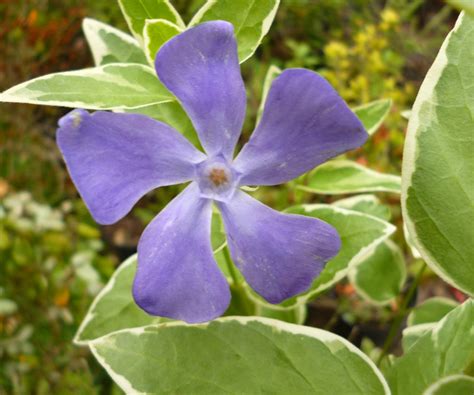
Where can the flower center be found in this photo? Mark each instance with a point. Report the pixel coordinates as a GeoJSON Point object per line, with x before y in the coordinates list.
{"type": "Point", "coordinates": [216, 179]}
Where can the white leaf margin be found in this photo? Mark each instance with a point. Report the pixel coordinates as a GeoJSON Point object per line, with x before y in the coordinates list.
{"type": "Point", "coordinates": [147, 39]}
{"type": "Point", "coordinates": [431, 390]}
{"type": "Point", "coordinates": [415, 331]}
{"type": "Point", "coordinates": [99, 50]}
{"type": "Point", "coordinates": [352, 201]}
{"type": "Point", "coordinates": [330, 339]}
{"type": "Point", "coordinates": [272, 73]}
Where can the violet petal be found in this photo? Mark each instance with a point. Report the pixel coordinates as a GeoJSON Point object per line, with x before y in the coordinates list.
{"type": "Point", "coordinates": [114, 159]}
{"type": "Point", "coordinates": [177, 276]}
{"type": "Point", "coordinates": [201, 68]}
{"type": "Point", "coordinates": [278, 254]}
{"type": "Point", "coordinates": [304, 123]}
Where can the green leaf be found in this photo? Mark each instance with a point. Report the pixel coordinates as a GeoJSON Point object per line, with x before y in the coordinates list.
{"type": "Point", "coordinates": [445, 350]}
{"type": "Point", "coordinates": [343, 176]}
{"type": "Point", "coordinates": [272, 73]}
{"type": "Point", "coordinates": [431, 310]}
{"type": "Point", "coordinates": [136, 12]}
{"type": "Point", "coordinates": [466, 5]}
{"type": "Point", "coordinates": [236, 355]}
{"type": "Point", "coordinates": [457, 384]}
{"type": "Point", "coordinates": [113, 86]}
{"type": "Point", "coordinates": [373, 114]}
{"type": "Point", "coordinates": [380, 277]}
{"type": "Point", "coordinates": [359, 233]}
{"type": "Point", "coordinates": [251, 19]}
{"type": "Point", "coordinates": [368, 204]}
{"type": "Point", "coordinates": [113, 308]}
{"type": "Point", "coordinates": [110, 45]}
{"type": "Point", "coordinates": [438, 166]}
{"type": "Point", "coordinates": [156, 33]}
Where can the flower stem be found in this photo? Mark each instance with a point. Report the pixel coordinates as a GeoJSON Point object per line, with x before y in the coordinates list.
{"type": "Point", "coordinates": [402, 313]}
{"type": "Point", "coordinates": [230, 265]}
{"type": "Point", "coordinates": [241, 304]}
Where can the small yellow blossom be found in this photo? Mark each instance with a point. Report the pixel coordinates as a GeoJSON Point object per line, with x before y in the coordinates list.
{"type": "Point", "coordinates": [336, 49]}
{"type": "Point", "coordinates": [376, 63]}
{"type": "Point", "coordinates": [390, 16]}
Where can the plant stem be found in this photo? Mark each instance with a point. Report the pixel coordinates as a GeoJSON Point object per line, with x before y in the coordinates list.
{"type": "Point", "coordinates": [230, 265]}
{"type": "Point", "coordinates": [240, 300]}
{"type": "Point", "coordinates": [402, 313]}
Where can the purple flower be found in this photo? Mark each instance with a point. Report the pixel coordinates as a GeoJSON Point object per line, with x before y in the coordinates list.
{"type": "Point", "coordinates": [114, 159]}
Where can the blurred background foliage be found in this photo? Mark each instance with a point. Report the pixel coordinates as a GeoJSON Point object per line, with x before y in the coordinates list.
{"type": "Point", "coordinates": [54, 258]}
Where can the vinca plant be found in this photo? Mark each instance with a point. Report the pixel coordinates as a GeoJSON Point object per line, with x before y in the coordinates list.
{"type": "Point", "coordinates": [215, 299]}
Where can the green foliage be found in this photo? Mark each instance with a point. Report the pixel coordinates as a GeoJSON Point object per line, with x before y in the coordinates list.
{"type": "Point", "coordinates": [445, 350]}
{"type": "Point", "coordinates": [54, 256]}
{"type": "Point", "coordinates": [438, 167]}
{"type": "Point", "coordinates": [242, 354]}
{"type": "Point", "coordinates": [113, 86]}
